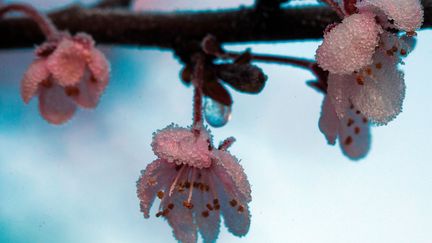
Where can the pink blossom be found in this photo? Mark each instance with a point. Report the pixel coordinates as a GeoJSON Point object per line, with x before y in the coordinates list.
{"type": "Point", "coordinates": [68, 71]}
{"type": "Point", "coordinates": [362, 58]}
{"type": "Point", "coordinates": [195, 183]}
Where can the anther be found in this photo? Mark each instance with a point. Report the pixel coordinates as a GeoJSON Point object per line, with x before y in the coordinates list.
{"type": "Point", "coordinates": [368, 71]}
{"type": "Point", "coordinates": [360, 80]}
{"type": "Point", "coordinates": [403, 52]}
{"type": "Point", "coordinates": [365, 120]}
{"type": "Point", "coordinates": [205, 214]}
{"type": "Point", "coordinates": [240, 209]}
{"type": "Point", "coordinates": [209, 206]}
{"type": "Point", "coordinates": [187, 204]}
{"type": "Point", "coordinates": [171, 206]}
{"type": "Point", "coordinates": [378, 65]}
{"type": "Point", "coordinates": [357, 130]}
{"type": "Point", "coordinates": [233, 203]}
{"type": "Point", "coordinates": [350, 122]}
{"type": "Point", "coordinates": [47, 83]}
{"type": "Point", "coordinates": [160, 194]}
{"type": "Point", "coordinates": [348, 140]}
{"type": "Point", "coordinates": [72, 91]}
{"type": "Point", "coordinates": [158, 214]}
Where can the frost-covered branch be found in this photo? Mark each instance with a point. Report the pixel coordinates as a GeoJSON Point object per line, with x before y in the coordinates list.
{"type": "Point", "coordinates": [169, 30]}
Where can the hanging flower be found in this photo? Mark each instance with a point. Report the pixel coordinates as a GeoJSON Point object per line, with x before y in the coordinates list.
{"type": "Point", "coordinates": [362, 57]}
{"type": "Point", "coordinates": [68, 72]}
{"type": "Point", "coordinates": [196, 183]}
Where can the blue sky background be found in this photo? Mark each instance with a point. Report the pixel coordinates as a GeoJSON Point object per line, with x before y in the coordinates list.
{"type": "Point", "coordinates": [76, 183]}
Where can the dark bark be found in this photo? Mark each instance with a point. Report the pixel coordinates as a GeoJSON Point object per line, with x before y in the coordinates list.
{"type": "Point", "coordinates": [171, 30]}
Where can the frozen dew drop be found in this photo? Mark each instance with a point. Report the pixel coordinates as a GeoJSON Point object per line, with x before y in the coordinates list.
{"type": "Point", "coordinates": [215, 113]}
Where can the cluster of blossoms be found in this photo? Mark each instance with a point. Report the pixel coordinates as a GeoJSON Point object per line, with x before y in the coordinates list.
{"type": "Point", "coordinates": [198, 183]}
{"type": "Point", "coordinates": [362, 55]}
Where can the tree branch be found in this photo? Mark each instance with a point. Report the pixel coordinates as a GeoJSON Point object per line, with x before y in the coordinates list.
{"type": "Point", "coordinates": [113, 4]}
{"type": "Point", "coordinates": [170, 30]}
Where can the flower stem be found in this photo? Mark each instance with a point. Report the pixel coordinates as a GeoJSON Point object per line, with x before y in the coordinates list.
{"type": "Point", "coordinates": [293, 61]}
{"type": "Point", "coordinates": [198, 78]}
{"type": "Point", "coordinates": [44, 23]}
{"type": "Point", "coordinates": [335, 7]}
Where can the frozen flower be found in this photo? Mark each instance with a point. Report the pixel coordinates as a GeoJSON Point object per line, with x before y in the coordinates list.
{"type": "Point", "coordinates": [68, 71]}
{"type": "Point", "coordinates": [196, 183]}
{"type": "Point", "coordinates": [362, 57]}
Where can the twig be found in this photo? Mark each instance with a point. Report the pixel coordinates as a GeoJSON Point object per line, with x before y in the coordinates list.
{"type": "Point", "coordinates": [168, 30]}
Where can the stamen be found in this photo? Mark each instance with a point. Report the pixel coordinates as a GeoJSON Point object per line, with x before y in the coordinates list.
{"type": "Point", "coordinates": [191, 188]}
{"type": "Point", "coordinates": [233, 203]}
{"type": "Point", "coordinates": [173, 185]}
{"type": "Point", "coordinates": [240, 209]}
{"type": "Point", "coordinates": [205, 214]}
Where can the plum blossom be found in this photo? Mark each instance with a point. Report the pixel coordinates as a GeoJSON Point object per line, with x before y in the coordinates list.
{"type": "Point", "coordinates": [196, 184]}
{"type": "Point", "coordinates": [68, 72]}
{"type": "Point", "coordinates": [362, 56]}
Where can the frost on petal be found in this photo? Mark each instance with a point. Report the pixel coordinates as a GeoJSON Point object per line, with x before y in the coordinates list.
{"type": "Point", "coordinates": [354, 134]}
{"type": "Point", "coordinates": [67, 63]}
{"type": "Point", "coordinates": [406, 15]}
{"type": "Point", "coordinates": [182, 146]}
{"type": "Point", "coordinates": [100, 69]}
{"type": "Point", "coordinates": [381, 97]}
{"type": "Point", "coordinates": [35, 74]}
{"type": "Point", "coordinates": [206, 217]}
{"type": "Point", "coordinates": [54, 105]}
{"type": "Point", "coordinates": [235, 212]}
{"type": "Point", "coordinates": [234, 193]}
{"type": "Point", "coordinates": [349, 46]}
{"type": "Point", "coordinates": [232, 175]}
{"type": "Point", "coordinates": [181, 220]}
{"type": "Point", "coordinates": [339, 91]}
{"type": "Point", "coordinates": [156, 177]}
{"type": "Point", "coordinates": [329, 121]}
{"type": "Point", "coordinates": [87, 91]}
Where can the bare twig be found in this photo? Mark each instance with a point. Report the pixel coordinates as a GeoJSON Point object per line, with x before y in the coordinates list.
{"type": "Point", "coordinates": [168, 30]}
{"type": "Point", "coordinates": [113, 4]}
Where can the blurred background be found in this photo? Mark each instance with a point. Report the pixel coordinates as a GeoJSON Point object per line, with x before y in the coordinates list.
{"type": "Point", "coordinates": [76, 182]}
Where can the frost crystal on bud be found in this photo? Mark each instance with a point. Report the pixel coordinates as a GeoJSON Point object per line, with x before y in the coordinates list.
{"type": "Point", "coordinates": [67, 72]}
{"type": "Point", "coordinates": [349, 46]}
{"type": "Point", "coordinates": [196, 184]}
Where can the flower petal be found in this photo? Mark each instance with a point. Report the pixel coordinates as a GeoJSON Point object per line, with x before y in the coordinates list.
{"type": "Point", "coordinates": [235, 212]}
{"type": "Point", "coordinates": [349, 46]}
{"type": "Point", "coordinates": [154, 178]}
{"type": "Point", "coordinates": [88, 91]}
{"type": "Point", "coordinates": [339, 91]}
{"type": "Point", "coordinates": [381, 97]}
{"type": "Point", "coordinates": [100, 69]}
{"type": "Point", "coordinates": [181, 145]}
{"type": "Point", "coordinates": [406, 14]}
{"type": "Point", "coordinates": [181, 220]}
{"type": "Point", "coordinates": [329, 121]}
{"type": "Point", "coordinates": [232, 175]}
{"type": "Point", "coordinates": [67, 62]}
{"type": "Point", "coordinates": [35, 74]}
{"type": "Point", "coordinates": [54, 105]}
{"type": "Point", "coordinates": [354, 134]}
{"type": "Point", "coordinates": [206, 217]}
{"type": "Point", "coordinates": [234, 193]}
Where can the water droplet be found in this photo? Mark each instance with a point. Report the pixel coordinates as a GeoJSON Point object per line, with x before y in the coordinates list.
{"type": "Point", "coordinates": [215, 113]}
